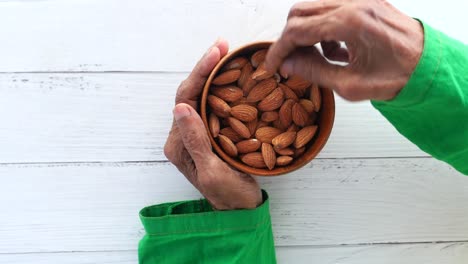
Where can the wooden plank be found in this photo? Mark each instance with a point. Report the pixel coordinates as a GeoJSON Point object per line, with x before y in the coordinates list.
{"type": "Point", "coordinates": [126, 117]}
{"type": "Point", "coordinates": [94, 207]}
{"type": "Point", "coordinates": [441, 253]}
{"type": "Point", "coordinates": [146, 35]}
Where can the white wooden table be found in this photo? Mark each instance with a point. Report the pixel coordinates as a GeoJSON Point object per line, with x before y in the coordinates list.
{"type": "Point", "coordinates": [86, 93]}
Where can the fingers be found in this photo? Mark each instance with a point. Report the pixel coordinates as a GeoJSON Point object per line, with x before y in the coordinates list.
{"type": "Point", "coordinates": [193, 133]}
{"type": "Point", "coordinates": [312, 66]}
{"type": "Point", "coordinates": [190, 89]}
{"type": "Point", "coordinates": [299, 32]}
{"type": "Point", "coordinates": [312, 8]}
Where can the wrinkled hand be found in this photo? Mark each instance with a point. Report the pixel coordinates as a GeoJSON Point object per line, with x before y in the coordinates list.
{"type": "Point", "coordinates": [383, 47]}
{"type": "Point", "coordinates": [188, 146]}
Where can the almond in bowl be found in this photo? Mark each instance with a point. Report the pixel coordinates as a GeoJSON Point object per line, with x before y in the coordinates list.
{"type": "Point", "coordinates": [262, 123]}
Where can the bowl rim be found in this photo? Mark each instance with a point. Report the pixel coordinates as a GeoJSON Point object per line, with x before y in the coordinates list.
{"type": "Point", "coordinates": [321, 137]}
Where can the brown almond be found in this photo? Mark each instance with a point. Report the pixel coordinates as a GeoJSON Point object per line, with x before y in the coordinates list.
{"type": "Point", "coordinates": [244, 113]}
{"type": "Point", "coordinates": [298, 152]}
{"type": "Point", "coordinates": [277, 124]}
{"type": "Point", "coordinates": [261, 73]}
{"type": "Point", "coordinates": [285, 112]}
{"type": "Point", "coordinates": [219, 106]}
{"type": "Point", "coordinates": [269, 155]}
{"type": "Point", "coordinates": [284, 160]}
{"type": "Point", "coordinates": [214, 125]}
{"type": "Point", "coordinates": [261, 124]}
{"type": "Point", "coordinates": [267, 134]}
{"type": "Point", "coordinates": [297, 83]}
{"type": "Point", "coordinates": [242, 101]}
{"type": "Point", "coordinates": [249, 85]}
{"type": "Point", "coordinates": [254, 159]}
{"type": "Point", "coordinates": [288, 93]}
{"type": "Point", "coordinates": [285, 151]}
{"type": "Point", "coordinates": [261, 90]}
{"type": "Point", "coordinates": [246, 74]}
{"type": "Point", "coordinates": [312, 120]}
{"type": "Point", "coordinates": [227, 77]}
{"type": "Point", "coordinates": [272, 102]}
{"type": "Point", "coordinates": [269, 116]}
{"type": "Point", "coordinates": [299, 115]}
{"type": "Point", "coordinates": [252, 125]}
{"type": "Point", "coordinates": [231, 134]}
{"type": "Point", "coordinates": [292, 128]}
{"type": "Point", "coordinates": [248, 146]}
{"type": "Point", "coordinates": [316, 97]}
{"type": "Point", "coordinates": [304, 136]}
{"type": "Point", "coordinates": [284, 140]}
{"type": "Point", "coordinates": [235, 64]}
{"type": "Point", "coordinates": [227, 145]}
{"type": "Point", "coordinates": [307, 105]}
{"type": "Point", "coordinates": [239, 127]}
{"type": "Point", "coordinates": [258, 57]}
{"type": "Point", "coordinates": [229, 93]}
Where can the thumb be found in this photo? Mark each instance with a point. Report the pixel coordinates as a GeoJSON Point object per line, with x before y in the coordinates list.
{"type": "Point", "coordinates": [193, 133]}
{"type": "Point", "coordinates": [312, 66]}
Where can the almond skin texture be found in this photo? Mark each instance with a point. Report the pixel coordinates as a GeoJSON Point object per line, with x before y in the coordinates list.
{"type": "Point", "coordinates": [219, 106]}
{"type": "Point", "coordinates": [261, 124]}
{"type": "Point", "coordinates": [254, 159]}
{"type": "Point", "coordinates": [292, 128]}
{"type": "Point", "coordinates": [231, 134]}
{"type": "Point", "coordinates": [269, 155]}
{"type": "Point", "coordinates": [285, 112]}
{"type": "Point", "coordinates": [284, 160]}
{"type": "Point", "coordinates": [269, 116]}
{"type": "Point", "coordinates": [272, 102]}
{"type": "Point", "coordinates": [228, 146]}
{"type": "Point", "coordinates": [248, 146]}
{"type": "Point", "coordinates": [297, 83]}
{"type": "Point", "coordinates": [284, 140]}
{"type": "Point", "coordinates": [227, 77]}
{"type": "Point", "coordinates": [299, 115]}
{"type": "Point", "coordinates": [316, 97]}
{"type": "Point", "coordinates": [307, 105]}
{"type": "Point", "coordinates": [252, 125]}
{"type": "Point", "coordinates": [267, 134]}
{"type": "Point", "coordinates": [298, 152]}
{"type": "Point", "coordinates": [239, 127]}
{"type": "Point", "coordinates": [242, 101]}
{"type": "Point", "coordinates": [235, 64]}
{"type": "Point", "coordinates": [214, 125]}
{"type": "Point", "coordinates": [244, 113]}
{"type": "Point", "coordinates": [249, 85]}
{"type": "Point", "coordinates": [261, 90]}
{"type": "Point", "coordinates": [261, 73]}
{"type": "Point", "coordinates": [277, 124]}
{"type": "Point", "coordinates": [228, 93]}
{"type": "Point", "coordinates": [258, 57]}
{"type": "Point", "coordinates": [288, 93]}
{"type": "Point", "coordinates": [246, 72]}
{"type": "Point", "coordinates": [304, 136]}
{"type": "Point", "coordinates": [285, 152]}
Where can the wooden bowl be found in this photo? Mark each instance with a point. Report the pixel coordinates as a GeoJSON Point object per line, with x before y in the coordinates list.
{"type": "Point", "coordinates": [325, 121]}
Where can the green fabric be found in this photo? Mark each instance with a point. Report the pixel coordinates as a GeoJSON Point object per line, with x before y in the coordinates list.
{"type": "Point", "coordinates": [191, 232]}
{"type": "Point", "coordinates": [432, 110]}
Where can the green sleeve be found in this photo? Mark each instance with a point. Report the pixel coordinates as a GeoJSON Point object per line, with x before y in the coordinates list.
{"type": "Point", "coordinates": [432, 110]}
{"type": "Point", "coordinates": [192, 232]}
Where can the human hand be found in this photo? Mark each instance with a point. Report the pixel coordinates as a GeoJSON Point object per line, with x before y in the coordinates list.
{"type": "Point", "coordinates": [383, 47]}
{"type": "Point", "coordinates": [188, 146]}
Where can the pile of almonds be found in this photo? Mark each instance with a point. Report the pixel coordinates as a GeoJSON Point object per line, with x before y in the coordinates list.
{"type": "Point", "coordinates": [261, 118]}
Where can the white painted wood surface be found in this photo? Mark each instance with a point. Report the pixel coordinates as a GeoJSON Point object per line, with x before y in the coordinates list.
{"type": "Point", "coordinates": [86, 92]}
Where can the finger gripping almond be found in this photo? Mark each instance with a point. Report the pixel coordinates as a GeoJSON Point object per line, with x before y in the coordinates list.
{"type": "Point", "coordinates": [260, 118]}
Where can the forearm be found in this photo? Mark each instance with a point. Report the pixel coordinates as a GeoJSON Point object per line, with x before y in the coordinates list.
{"type": "Point", "coordinates": [432, 110]}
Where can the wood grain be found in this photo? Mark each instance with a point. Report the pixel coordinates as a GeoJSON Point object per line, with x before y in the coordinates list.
{"type": "Point", "coordinates": [94, 207]}
{"type": "Point", "coordinates": [146, 35]}
{"type": "Point", "coordinates": [441, 253]}
{"type": "Point", "coordinates": [126, 117]}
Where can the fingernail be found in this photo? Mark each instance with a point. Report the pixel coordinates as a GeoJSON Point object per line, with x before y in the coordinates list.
{"type": "Point", "coordinates": [287, 68]}
{"type": "Point", "coordinates": [181, 111]}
